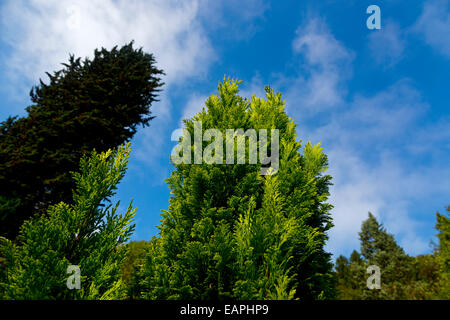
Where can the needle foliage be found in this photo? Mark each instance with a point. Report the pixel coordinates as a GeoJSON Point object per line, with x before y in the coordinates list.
{"type": "Point", "coordinates": [86, 234]}
{"type": "Point", "coordinates": [230, 232]}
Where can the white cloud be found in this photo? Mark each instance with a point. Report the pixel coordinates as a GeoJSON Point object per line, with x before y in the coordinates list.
{"type": "Point", "coordinates": [327, 68]}
{"type": "Point", "coordinates": [368, 142]}
{"type": "Point", "coordinates": [434, 25]}
{"type": "Point", "coordinates": [253, 87]}
{"type": "Point", "coordinates": [387, 45]}
{"type": "Point", "coordinates": [435, 134]}
{"type": "Point", "coordinates": [195, 104]}
{"type": "Point", "coordinates": [236, 19]}
{"type": "Point", "coordinates": [319, 47]}
{"type": "Point", "coordinates": [387, 117]}
{"type": "Point", "coordinates": [371, 140]}
{"type": "Point", "coordinates": [42, 33]}
{"type": "Point", "coordinates": [387, 189]}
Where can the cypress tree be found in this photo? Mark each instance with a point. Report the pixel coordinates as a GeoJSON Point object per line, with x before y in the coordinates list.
{"type": "Point", "coordinates": [231, 232]}
{"type": "Point", "coordinates": [86, 234]}
{"type": "Point", "coordinates": [88, 104]}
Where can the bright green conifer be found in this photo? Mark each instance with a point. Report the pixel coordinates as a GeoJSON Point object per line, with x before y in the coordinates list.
{"type": "Point", "coordinates": [86, 233]}
{"type": "Point", "coordinates": [230, 232]}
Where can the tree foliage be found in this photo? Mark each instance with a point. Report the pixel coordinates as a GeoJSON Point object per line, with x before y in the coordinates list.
{"type": "Point", "coordinates": [443, 251]}
{"type": "Point", "coordinates": [402, 277]}
{"type": "Point", "coordinates": [86, 233]}
{"type": "Point", "coordinates": [230, 232]}
{"type": "Point", "coordinates": [89, 104]}
{"type": "Point", "coordinates": [135, 255]}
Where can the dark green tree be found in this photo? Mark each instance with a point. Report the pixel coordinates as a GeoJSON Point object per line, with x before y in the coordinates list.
{"type": "Point", "coordinates": [231, 232]}
{"type": "Point", "coordinates": [378, 247]}
{"type": "Point", "coordinates": [86, 234]}
{"type": "Point", "coordinates": [424, 285]}
{"type": "Point", "coordinates": [136, 252]}
{"type": "Point", "coordinates": [89, 104]}
{"type": "Point", "coordinates": [443, 251]}
{"type": "Point", "coordinates": [351, 274]}
{"type": "Point", "coordinates": [402, 276]}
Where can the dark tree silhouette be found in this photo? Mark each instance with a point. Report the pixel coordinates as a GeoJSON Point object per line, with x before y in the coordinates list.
{"type": "Point", "coordinates": [89, 104]}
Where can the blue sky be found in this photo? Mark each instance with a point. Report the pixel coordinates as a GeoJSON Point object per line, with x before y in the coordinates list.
{"type": "Point", "coordinates": [376, 99]}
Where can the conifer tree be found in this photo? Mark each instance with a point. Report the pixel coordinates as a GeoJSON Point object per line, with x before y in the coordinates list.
{"type": "Point", "coordinates": [85, 234]}
{"type": "Point", "coordinates": [378, 247]}
{"type": "Point", "coordinates": [89, 104]}
{"type": "Point", "coordinates": [231, 232]}
{"type": "Point", "coordinates": [402, 276]}
{"type": "Point", "coordinates": [136, 251]}
{"type": "Point", "coordinates": [443, 227]}
{"type": "Point", "coordinates": [351, 276]}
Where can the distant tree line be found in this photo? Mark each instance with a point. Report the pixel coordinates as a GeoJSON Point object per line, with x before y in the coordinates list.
{"type": "Point", "coordinates": [403, 277]}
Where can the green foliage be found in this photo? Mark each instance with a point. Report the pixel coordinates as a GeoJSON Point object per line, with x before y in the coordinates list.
{"type": "Point", "coordinates": [351, 275]}
{"type": "Point", "coordinates": [136, 251]}
{"type": "Point", "coordinates": [378, 247]}
{"type": "Point", "coordinates": [443, 227]}
{"type": "Point", "coordinates": [86, 233]}
{"type": "Point", "coordinates": [89, 104]}
{"type": "Point", "coordinates": [402, 277]}
{"type": "Point", "coordinates": [230, 232]}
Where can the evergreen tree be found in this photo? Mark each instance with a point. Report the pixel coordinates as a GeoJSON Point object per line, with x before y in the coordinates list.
{"type": "Point", "coordinates": [136, 251]}
{"type": "Point", "coordinates": [378, 247]}
{"type": "Point", "coordinates": [425, 283]}
{"type": "Point", "coordinates": [86, 234]}
{"type": "Point", "coordinates": [230, 232]}
{"type": "Point", "coordinates": [443, 227]}
{"type": "Point", "coordinates": [89, 104]}
{"type": "Point", "coordinates": [351, 276]}
{"type": "Point", "coordinates": [402, 276]}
